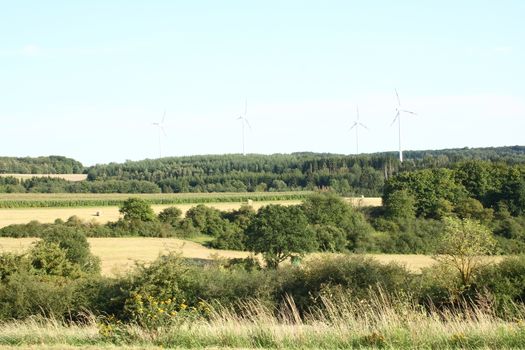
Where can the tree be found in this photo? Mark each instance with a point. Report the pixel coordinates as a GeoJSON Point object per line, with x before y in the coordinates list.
{"type": "Point", "coordinates": [401, 204]}
{"type": "Point", "coordinates": [171, 216]}
{"type": "Point", "coordinates": [464, 246]}
{"type": "Point", "coordinates": [137, 209]}
{"type": "Point", "coordinates": [279, 233]}
{"type": "Point", "coordinates": [329, 209]}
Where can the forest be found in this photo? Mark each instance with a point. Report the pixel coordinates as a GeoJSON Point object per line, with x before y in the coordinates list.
{"type": "Point", "coordinates": [346, 174]}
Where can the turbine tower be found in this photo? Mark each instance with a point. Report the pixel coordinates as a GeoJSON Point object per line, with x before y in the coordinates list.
{"type": "Point", "coordinates": [399, 112]}
{"type": "Point", "coordinates": [357, 124]}
{"type": "Point", "coordinates": [244, 122]}
{"type": "Point", "coordinates": [160, 125]}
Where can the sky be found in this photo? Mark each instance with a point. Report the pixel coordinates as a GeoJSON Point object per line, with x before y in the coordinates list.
{"type": "Point", "coordinates": [87, 79]}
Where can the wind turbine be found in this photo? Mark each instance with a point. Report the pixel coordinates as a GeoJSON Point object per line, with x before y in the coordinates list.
{"type": "Point", "coordinates": [244, 122]}
{"type": "Point", "coordinates": [160, 125]}
{"type": "Point", "coordinates": [356, 125]}
{"type": "Point", "coordinates": [400, 111]}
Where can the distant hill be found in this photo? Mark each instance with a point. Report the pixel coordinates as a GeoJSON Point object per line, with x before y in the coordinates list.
{"type": "Point", "coordinates": [40, 165]}
{"type": "Point", "coordinates": [348, 174]}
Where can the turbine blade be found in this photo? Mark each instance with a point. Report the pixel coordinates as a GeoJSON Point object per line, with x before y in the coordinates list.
{"type": "Point", "coordinates": [364, 126]}
{"type": "Point", "coordinates": [163, 117]}
{"type": "Point", "coordinates": [395, 118]}
{"type": "Point", "coordinates": [404, 110]}
{"type": "Point", "coordinates": [398, 100]}
{"type": "Point", "coordinates": [357, 110]}
{"type": "Point", "coordinates": [164, 132]}
{"type": "Point", "coordinates": [247, 123]}
{"type": "Point", "coordinates": [245, 106]}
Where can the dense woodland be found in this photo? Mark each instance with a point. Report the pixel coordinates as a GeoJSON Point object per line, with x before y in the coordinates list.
{"type": "Point", "coordinates": [348, 175]}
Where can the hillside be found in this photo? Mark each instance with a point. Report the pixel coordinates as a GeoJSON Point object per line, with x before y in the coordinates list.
{"type": "Point", "coordinates": [347, 174]}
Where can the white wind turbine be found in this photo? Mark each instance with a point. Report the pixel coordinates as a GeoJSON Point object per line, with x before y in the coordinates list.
{"type": "Point", "coordinates": [244, 122]}
{"type": "Point", "coordinates": [160, 125]}
{"type": "Point", "coordinates": [400, 111]}
{"type": "Point", "coordinates": [357, 124]}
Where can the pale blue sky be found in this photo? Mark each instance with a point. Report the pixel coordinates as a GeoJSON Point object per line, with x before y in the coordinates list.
{"type": "Point", "coordinates": [86, 79]}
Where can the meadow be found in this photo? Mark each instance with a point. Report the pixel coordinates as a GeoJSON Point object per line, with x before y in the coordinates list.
{"type": "Point", "coordinates": [382, 322]}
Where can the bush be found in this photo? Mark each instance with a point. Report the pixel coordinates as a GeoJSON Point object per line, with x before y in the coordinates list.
{"type": "Point", "coordinates": [505, 282]}
{"type": "Point", "coordinates": [25, 294]}
{"type": "Point", "coordinates": [47, 258]}
{"type": "Point", "coordinates": [75, 246]}
{"type": "Point", "coordinates": [355, 275]}
{"type": "Point", "coordinates": [171, 216]}
{"type": "Point", "coordinates": [11, 264]}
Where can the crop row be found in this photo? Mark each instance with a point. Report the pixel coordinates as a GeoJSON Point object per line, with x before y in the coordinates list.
{"type": "Point", "coordinates": [54, 202]}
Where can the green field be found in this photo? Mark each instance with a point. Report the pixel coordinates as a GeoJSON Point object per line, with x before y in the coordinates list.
{"type": "Point", "coordinates": [60, 200]}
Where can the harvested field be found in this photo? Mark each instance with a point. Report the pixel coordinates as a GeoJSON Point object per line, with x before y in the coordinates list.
{"type": "Point", "coordinates": [118, 254]}
{"type": "Point", "coordinates": [68, 177]}
{"type": "Point", "coordinates": [48, 215]}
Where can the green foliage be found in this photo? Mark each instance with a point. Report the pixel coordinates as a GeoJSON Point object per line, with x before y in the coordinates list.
{"type": "Point", "coordinates": [12, 264]}
{"type": "Point", "coordinates": [470, 208]}
{"type": "Point", "coordinates": [435, 191]}
{"type": "Point", "coordinates": [505, 282]}
{"type": "Point", "coordinates": [171, 216]}
{"type": "Point", "coordinates": [137, 209]}
{"type": "Point", "coordinates": [330, 238]}
{"type": "Point", "coordinates": [409, 236]}
{"type": "Point", "coordinates": [75, 246]}
{"type": "Point", "coordinates": [40, 165]}
{"type": "Point", "coordinates": [329, 209]}
{"type": "Point", "coordinates": [464, 245]}
{"type": "Point", "coordinates": [354, 275]}
{"type": "Point", "coordinates": [280, 232]}
{"type": "Point", "coordinates": [47, 258]}
{"type": "Point", "coordinates": [24, 294]}
{"type": "Point", "coordinates": [400, 204]}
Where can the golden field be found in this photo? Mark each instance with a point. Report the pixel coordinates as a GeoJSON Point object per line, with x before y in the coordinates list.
{"type": "Point", "coordinates": [118, 254]}
{"type": "Point", "coordinates": [48, 215]}
{"type": "Point", "coordinates": [68, 177]}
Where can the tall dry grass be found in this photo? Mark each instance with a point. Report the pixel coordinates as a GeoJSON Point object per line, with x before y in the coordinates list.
{"type": "Point", "coordinates": [341, 323]}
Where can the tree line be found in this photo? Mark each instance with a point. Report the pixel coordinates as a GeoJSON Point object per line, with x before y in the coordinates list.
{"type": "Point", "coordinates": [346, 174]}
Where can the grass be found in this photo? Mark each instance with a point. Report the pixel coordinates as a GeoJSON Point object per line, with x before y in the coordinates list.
{"type": "Point", "coordinates": [383, 322]}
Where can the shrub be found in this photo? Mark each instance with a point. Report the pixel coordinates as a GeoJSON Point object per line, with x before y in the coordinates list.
{"type": "Point", "coordinates": [11, 264]}
{"type": "Point", "coordinates": [171, 216]}
{"type": "Point", "coordinates": [25, 294]}
{"type": "Point", "coordinates": [47, 258]}
{"type": "Point", "coordinates": [75, 246]}
{"type": "Point", "coordinates": [355, 275]}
